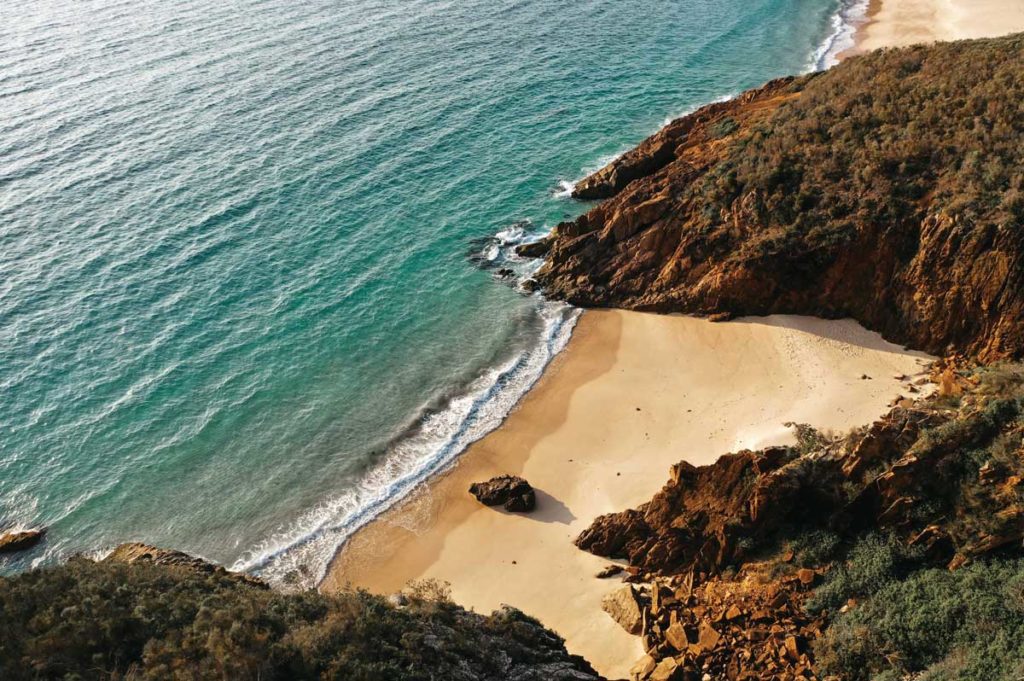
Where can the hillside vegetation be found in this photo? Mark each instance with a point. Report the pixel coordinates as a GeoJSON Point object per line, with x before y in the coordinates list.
{"type": "Point", "coordinates": [140, 620]}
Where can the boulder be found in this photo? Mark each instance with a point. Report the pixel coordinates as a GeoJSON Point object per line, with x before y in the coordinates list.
{"type": "Point", "coordinates": [667, 670]}
{"type": "Point", "coordinates": [643, 668]}
{"type": "Point", "coordinates": [510, 491]}
{"type": "Point", "coordinates": [535, 249]}
{"type": "Point", "coordinates": [11, 542]}
{"type": "Point", "coordinates": [624, 607]}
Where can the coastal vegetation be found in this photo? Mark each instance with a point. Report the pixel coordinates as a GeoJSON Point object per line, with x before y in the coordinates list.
{"type": "Point", "coordinates": [143, 620]}
{"type": "Point", "coordinates": [911, 617]}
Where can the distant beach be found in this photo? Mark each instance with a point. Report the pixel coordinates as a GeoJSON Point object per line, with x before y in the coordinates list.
{"type": "Point", "coordinates": [896, 23]}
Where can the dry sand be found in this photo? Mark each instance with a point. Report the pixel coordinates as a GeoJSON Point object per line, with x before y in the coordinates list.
{"type": "Point", "coordinates": [631, 395]}
{"type": "Point", "coordinates": [894, 23]}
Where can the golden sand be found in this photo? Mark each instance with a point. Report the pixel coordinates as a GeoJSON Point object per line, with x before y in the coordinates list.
{"type": "Point", "coordinates": [631, 395]}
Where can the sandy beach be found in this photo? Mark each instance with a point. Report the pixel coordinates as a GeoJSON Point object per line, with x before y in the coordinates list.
{"type": "Point", "coordinates": [894, 23]}
{"type": "Point", "coordinates": [631, 395]}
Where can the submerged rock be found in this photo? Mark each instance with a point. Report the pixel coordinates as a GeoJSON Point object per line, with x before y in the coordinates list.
{"type": "Point", "coordinates": [10, 542]}
{"type": "Point", "coordinates": [510, 491]}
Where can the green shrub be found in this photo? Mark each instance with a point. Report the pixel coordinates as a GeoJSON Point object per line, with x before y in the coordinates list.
{"type": "Point", "coordinates": [872, 564]}
{"type": "Point", "coordinates": [966, 625]}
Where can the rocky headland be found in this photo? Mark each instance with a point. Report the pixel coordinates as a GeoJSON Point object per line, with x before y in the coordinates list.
{"type": "Point", "coordinates": [887, 189]}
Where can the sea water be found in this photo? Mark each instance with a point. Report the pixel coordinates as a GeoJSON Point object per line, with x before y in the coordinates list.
{"type": "Point", "coordinates": [250, 250]}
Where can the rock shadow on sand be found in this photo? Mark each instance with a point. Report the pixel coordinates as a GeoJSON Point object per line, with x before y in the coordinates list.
{"type": "Point", "coordinates": [548, 510]}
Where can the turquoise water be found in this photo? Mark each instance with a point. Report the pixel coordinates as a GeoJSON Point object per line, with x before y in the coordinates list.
{"type": "Point", "coordinates": [248, 290]}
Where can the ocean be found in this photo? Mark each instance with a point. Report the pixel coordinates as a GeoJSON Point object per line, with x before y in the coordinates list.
{"type": "Point", "coordinates": [251, 252]}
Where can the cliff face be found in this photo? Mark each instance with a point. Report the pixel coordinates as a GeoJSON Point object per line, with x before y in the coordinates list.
{"type": "Point", "coordinates": [888, 189]}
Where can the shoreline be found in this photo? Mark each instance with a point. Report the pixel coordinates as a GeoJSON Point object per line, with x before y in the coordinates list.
{"type": "Point", "coordinates": [631, 395]}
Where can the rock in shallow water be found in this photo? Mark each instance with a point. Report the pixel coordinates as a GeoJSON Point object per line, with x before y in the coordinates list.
{"type": "Point", "coordinates": [20, 541]}
{"type": "Point", "coordinates": [510, 491]}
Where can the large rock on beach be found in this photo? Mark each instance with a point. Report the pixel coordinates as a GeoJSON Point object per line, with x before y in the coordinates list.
{"type": "Point", "coordinates": [509, 491]}
{"type": "Point", "coordinates": [623, 606]}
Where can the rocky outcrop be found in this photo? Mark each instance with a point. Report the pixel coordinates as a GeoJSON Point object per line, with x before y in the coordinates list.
{"type": "Point", "coordinates": [12, 542]}
{"type": "Point", "coordinates": [944, 474]}
{"type": "Point", "coordinates": [136, 552]}
{"type": "Point", "coordinates": [676, 140]}
{"type": "Point", "coordinates": [509, 491]}
{"type": "Point", "coordinates": [804, 196]}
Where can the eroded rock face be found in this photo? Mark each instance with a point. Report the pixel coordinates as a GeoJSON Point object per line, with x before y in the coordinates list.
{"type": "Point", "coordinates": [11, 542]}
{"type": "Point", "coordinates": [906, 474]}
{"type": "Point", "coordinates": [510, 491]}
{"type": "Point", "coordinates": [929, 273]}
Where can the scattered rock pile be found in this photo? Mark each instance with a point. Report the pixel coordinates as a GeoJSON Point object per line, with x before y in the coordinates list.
{"type": "Point", "coordinates": [509, 491]}
{"type": "Point", "coordinates": [749, 628]}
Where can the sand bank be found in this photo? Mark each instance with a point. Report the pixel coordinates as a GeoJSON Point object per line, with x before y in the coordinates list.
{"type": "Point", "coordinates": [893, 23]}
{"type": "Point", "coordinates": [631, 395]}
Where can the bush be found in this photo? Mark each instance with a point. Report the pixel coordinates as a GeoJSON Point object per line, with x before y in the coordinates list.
{"type": "Point", "coordinates": [966, 625]}
{"type": "Point", "coordinates": [873, 563]}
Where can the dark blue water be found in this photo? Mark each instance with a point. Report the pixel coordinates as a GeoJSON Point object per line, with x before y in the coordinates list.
{"type": "Point", "coordinates": [247, 250]}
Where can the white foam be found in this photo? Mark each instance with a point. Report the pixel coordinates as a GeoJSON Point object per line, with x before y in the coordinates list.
{"type": "Point", "coordinates": [565, 189]}
{"type": "Point", "coordinates": [299, 555]}
{"type": "Point", "coordinates": [845, 22]}
{"type": "Point", "coordinates": [692, 109]}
